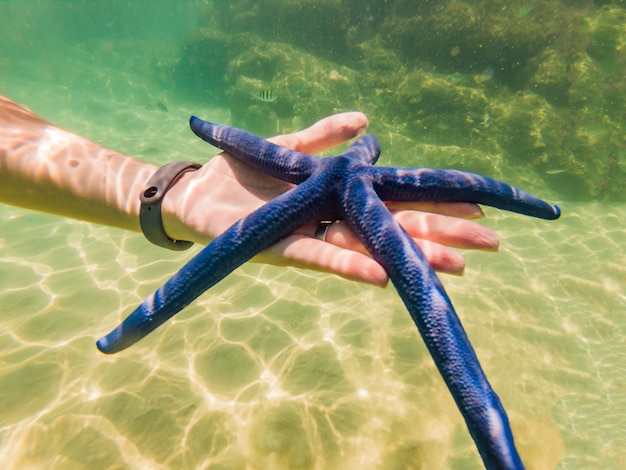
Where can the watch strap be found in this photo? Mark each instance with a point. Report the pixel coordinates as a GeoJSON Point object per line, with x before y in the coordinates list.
{"type": "Point", "coordinates": [150, 217]}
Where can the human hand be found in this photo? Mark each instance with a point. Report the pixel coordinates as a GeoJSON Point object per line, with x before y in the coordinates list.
{"type": "Point", "coordinates": [204, 203]}
{"type": "Point", "coordinates": [48, 169]}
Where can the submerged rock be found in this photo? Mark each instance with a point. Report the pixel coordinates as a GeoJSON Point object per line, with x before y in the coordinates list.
{"type": "Point", "coordinates": [475, 85]}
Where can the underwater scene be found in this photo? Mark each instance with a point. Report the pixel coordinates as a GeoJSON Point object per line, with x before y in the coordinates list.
{"type": "Point", "coordinates": [285, 368]}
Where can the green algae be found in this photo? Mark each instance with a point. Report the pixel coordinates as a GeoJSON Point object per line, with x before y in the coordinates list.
{"type": "Point", "coordinates": [517, 97]}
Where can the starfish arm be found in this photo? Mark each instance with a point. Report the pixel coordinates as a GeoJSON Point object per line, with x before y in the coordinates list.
{"type": "Point", "coordinates": [242, 241]}
{"type": "Point", "coordinates": [426, 184]}
{"type": "Point", "coordinates": [274, 160]}
{"type": "Point", "coordinates": [437, 322]}
{"type": "Point", "coordinates": [365, 149]}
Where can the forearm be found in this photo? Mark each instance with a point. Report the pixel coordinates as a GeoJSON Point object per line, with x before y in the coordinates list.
{"type": "Point", "coordinates": [48, 169]}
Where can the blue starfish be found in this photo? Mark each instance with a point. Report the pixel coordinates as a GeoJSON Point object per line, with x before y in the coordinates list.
{"type": "Point", "coordinates": [352, 188]}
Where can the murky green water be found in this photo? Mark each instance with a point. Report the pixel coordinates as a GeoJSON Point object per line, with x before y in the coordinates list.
{"type": "Point", "coordinates": [278, 368]}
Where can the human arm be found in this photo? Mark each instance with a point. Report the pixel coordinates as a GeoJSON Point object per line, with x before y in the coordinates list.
{"type": "Point", "coordinates": [48, 169]}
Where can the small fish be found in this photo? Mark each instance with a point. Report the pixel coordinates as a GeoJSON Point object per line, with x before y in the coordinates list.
{"type": "Point", "coordinates": [488, 73]}
{"type": "Point", "coordinates": [380, 100]}
{"type": "Point", "coordinates": [267, 96]}
{"type": "Point", "coordinates": [487, 119]}
{"type": "Point", "coordinates": [84, 47]}
{"type": "Point", "coordinates": [161, 106]}
{"type": "Point", "coordinates": [300, 88]}
{"type": "Point", "coordinates": [524, 10]}
{"type": "Point", "coordinates": [555, 171]}
{"type": "Point", "coordinates": [457, 76]}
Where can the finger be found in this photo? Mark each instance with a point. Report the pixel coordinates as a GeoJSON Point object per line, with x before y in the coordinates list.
{"type": "Point", "coordinates": [449, 231]}
{"type": "Point", "coordinates": [441, 258]}
{"type": "Point", "coordinates": [356, 265]}
{"type": "Point", "coordinates": [305, 252]}
{"type": "Point", "coordinates": [440, 229]}
{"type": "Point", "coordinates": [325, 134]}
{"type": "Point", "coordinates": [465, 210]}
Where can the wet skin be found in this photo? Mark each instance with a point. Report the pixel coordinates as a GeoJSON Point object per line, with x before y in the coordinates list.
{"type": "Point", "coordinates": [351, 188]}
